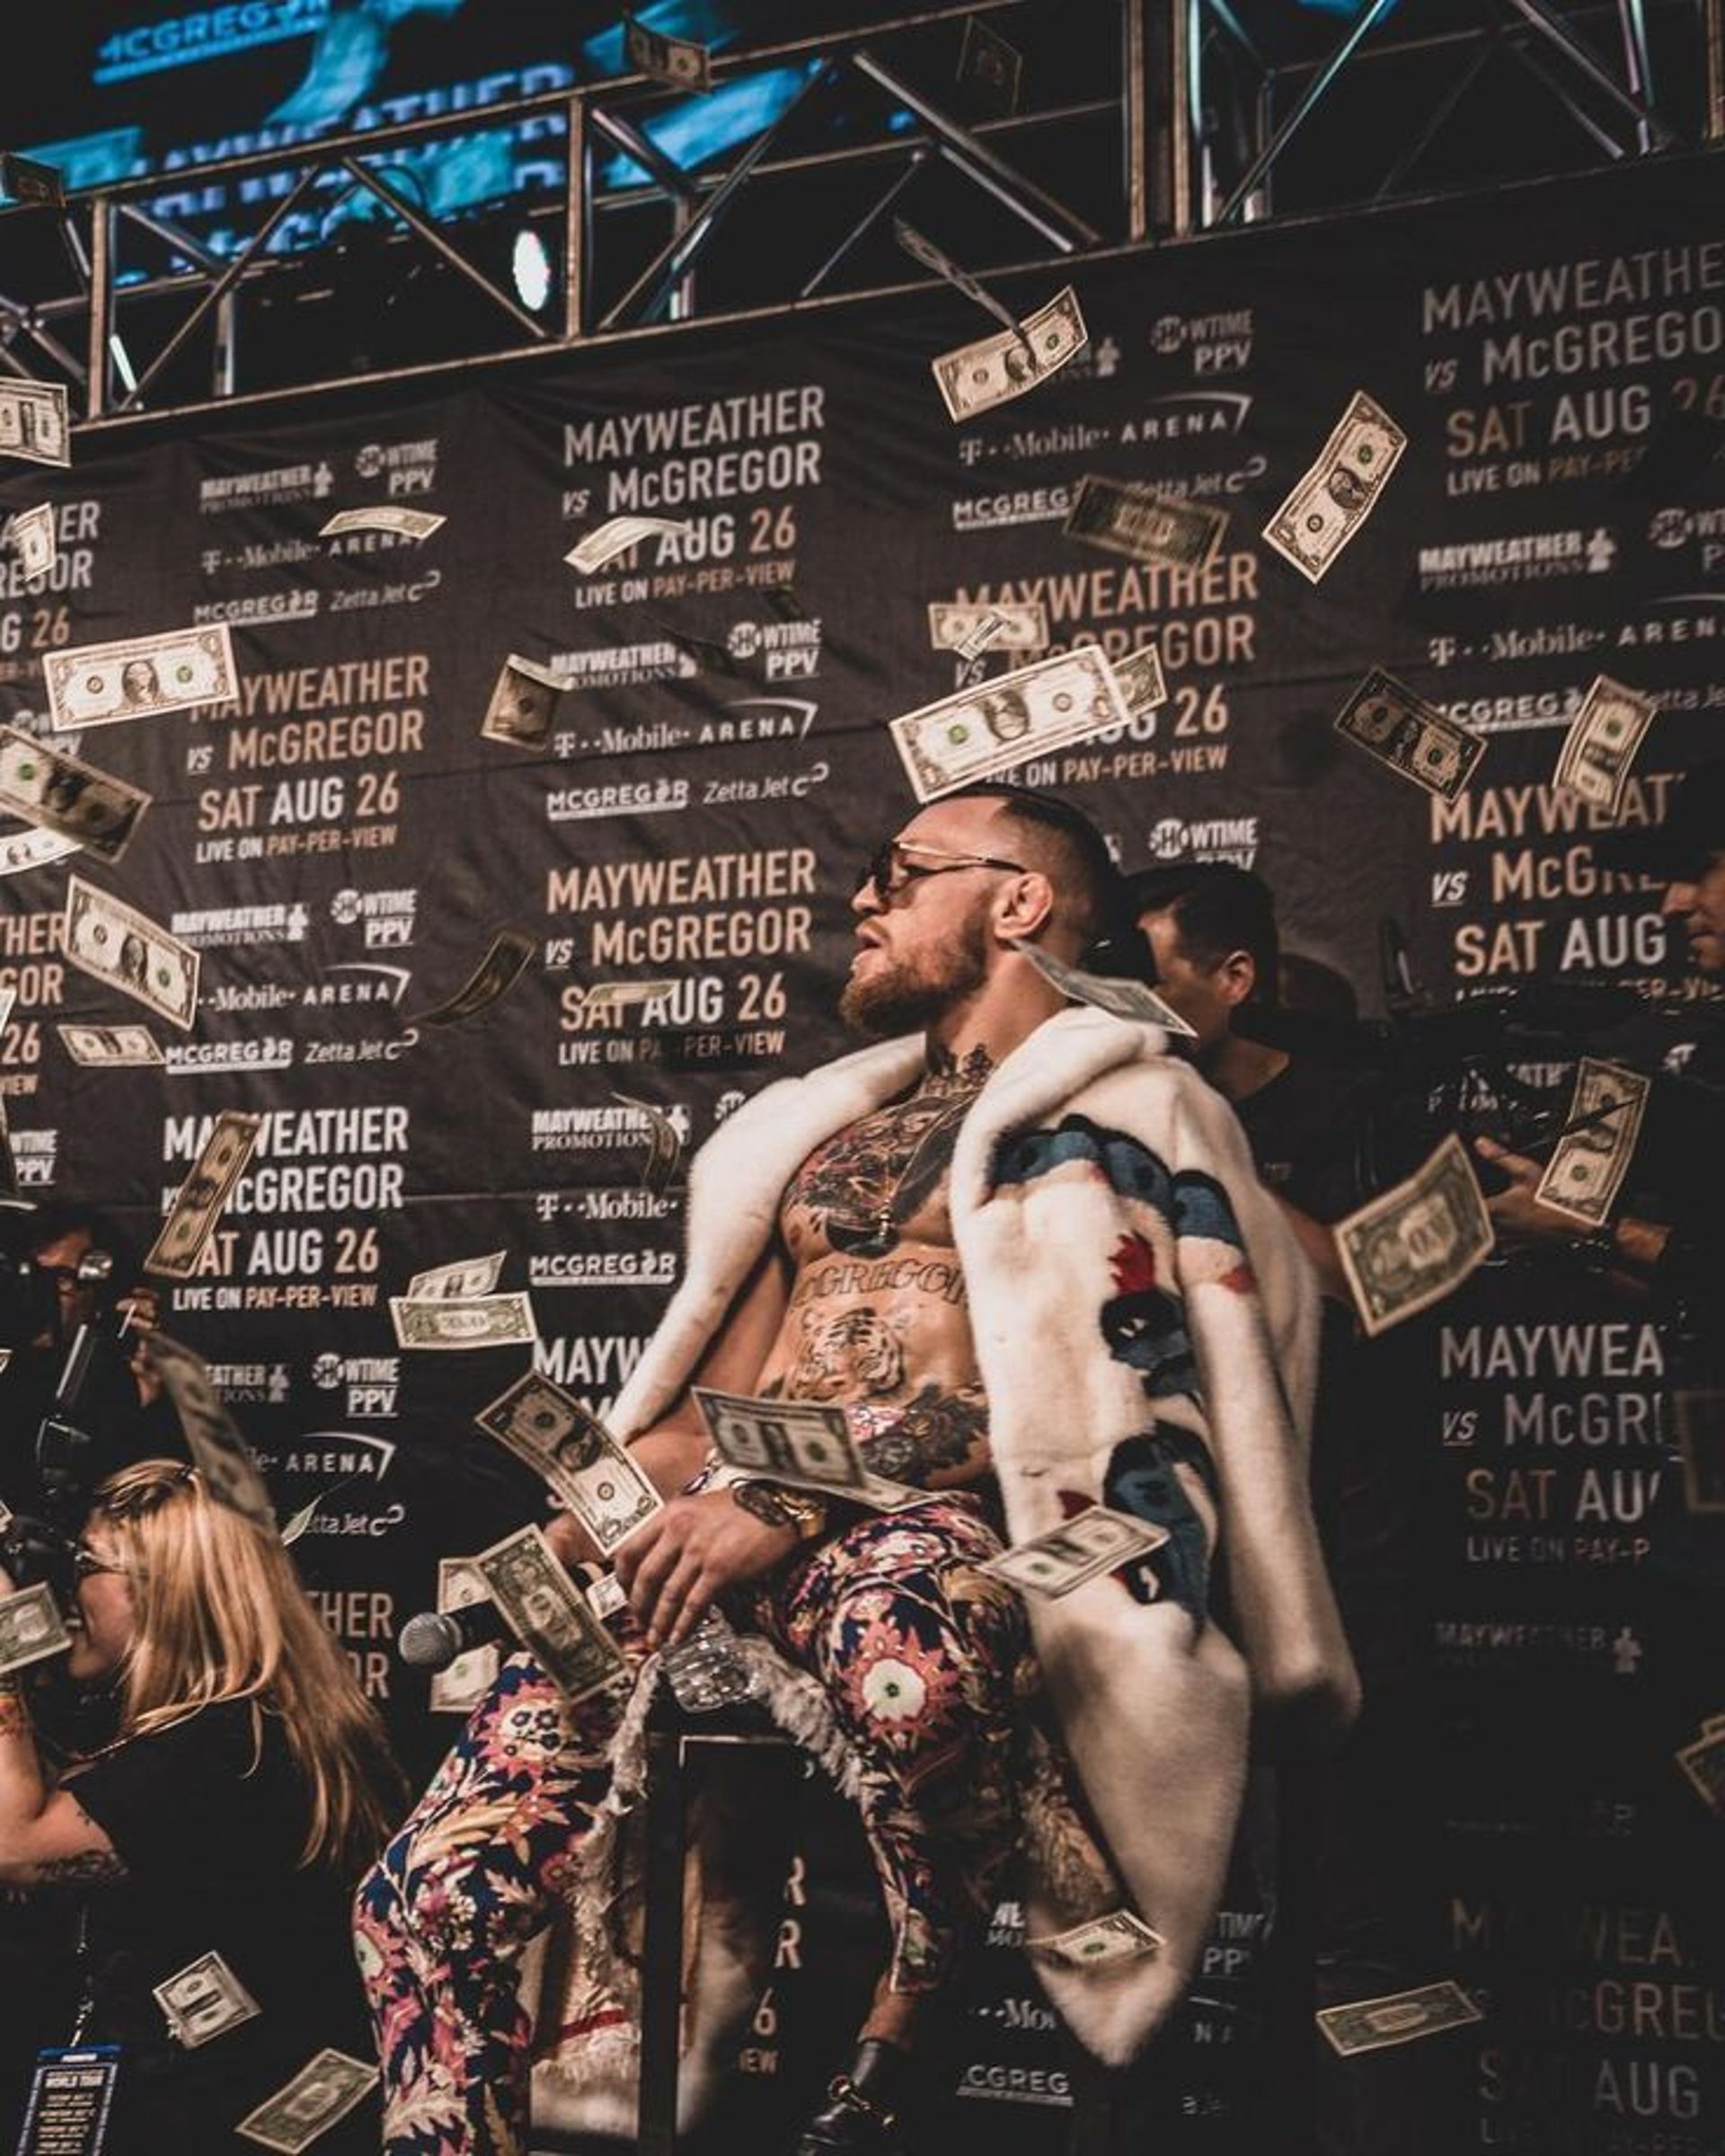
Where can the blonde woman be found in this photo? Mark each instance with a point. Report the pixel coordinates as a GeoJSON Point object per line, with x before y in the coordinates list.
{"type": "Point", "coordinates": [248, 1786]}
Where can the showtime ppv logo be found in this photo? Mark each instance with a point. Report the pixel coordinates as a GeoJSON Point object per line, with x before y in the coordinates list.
{"type": "Point", "coordinates": [787, 651]}
{"type": "Point", "coordinates": [371, 1382]}
{"type": "Point", "coordinates": [388, 915]}
{"type": "Point", "coordinates": [1218, 343]}
{"type": "Point", "coordinates": [405, 467]}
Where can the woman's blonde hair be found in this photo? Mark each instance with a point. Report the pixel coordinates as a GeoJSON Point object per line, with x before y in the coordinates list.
{"type": "Point", "coordinates": [219, 1612]}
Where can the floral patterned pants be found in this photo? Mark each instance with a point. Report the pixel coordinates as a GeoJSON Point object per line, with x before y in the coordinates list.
{"type": "Point", "coordinates": [925, 1661]}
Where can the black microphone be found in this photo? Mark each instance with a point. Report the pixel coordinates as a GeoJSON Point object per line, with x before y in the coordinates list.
{"type": "Point", "coordinates": [435, 1637]}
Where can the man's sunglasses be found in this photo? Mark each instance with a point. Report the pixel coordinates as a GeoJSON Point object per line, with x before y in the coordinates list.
{"type": "Point", "coordinates": [889, 870]}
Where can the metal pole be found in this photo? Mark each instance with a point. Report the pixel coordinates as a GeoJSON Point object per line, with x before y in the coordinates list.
{"type": "Point", "coordinates": [866, 222]}
{"type": "Point", "coordinates": [1315, 91]}
{"type": "Point", "coordinates": [1135, 116]}
{"type": "Point", "coordinates": [575, 232]}
{"type": "Point", "coordinates": [101, 298]}
{"type": "Point", "coordinates": [1638, 66]}
{"type": "Point", "coordinates": [410, 216]}
{"type": "Point", "coordinates": [1713, 34]}
{"type": "Point", "coordinates": [1552, 26]}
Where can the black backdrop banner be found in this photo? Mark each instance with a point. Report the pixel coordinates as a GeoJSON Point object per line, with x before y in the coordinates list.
{"type": "Point", "coordinates": [342, 845]}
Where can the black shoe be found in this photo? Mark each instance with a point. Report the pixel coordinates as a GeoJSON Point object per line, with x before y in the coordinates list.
{"type": "Point", "coordinates": [874, 2110]}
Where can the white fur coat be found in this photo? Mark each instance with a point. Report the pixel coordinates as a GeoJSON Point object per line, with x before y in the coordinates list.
{"type": "Point", "coordinates": [1153, 1702]}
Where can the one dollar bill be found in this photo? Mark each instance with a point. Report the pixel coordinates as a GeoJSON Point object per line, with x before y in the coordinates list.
{"type": "Point", "coordinates": [981, 732]}
{"type": "Point", "coordinates": [588, 1469]}
{"type": "Point", "coordinates": [523, 704]}
{"type": "Point", "coordinates": [34, 422]}
{"type": "Point", "coordinates": [323, 2090]}
{"type": "Point", "coordinates": [1115, 994]}
{"type": "Point", "coordinates": [463, 1277]}
{"type": "Point", "coordinates": [1409, 736]}
{"type": "Point", "coordinates": [204, 2001]}
{"type": "Point", "coordinates": [1331, 501]}
{"type": "Point", "coordinates": [30, 535]}
{"type": "Point", "coordinates": [386, 516]}
{"type": "Point", "coordinates": [217, 1450]}
{"type": "Point", "coordinates": [31, 1628]}
{"type": "Point", "coordinates": [549, 1614]}
{"type": "Point", "coordinates": [459, 1688]}
{"type": "Point", "coordinates": [1125, 518]}
{"type": "Point", "coordinates": [1102, 1942]}
{"type": "Point", "coordinates": [1586, 1169]}
{"type": "Point", "coordinates": [805, 1443]}
{"type": "Point", "coordinates": [976, 377]}
{"type": "Point", "coordinates": [114, 943]}
{"type": "Point", "coordinates": [33, 849]}
{"type": "Point", "coordinates": [1399, 2017]}
{"type": "Point", "coordinates": [111, 1048]}
{"type": "Point", "coordinates": [198, 1201]}
{"type": "Point", "coordinates": [1418, 1242]}
{"type": "Point", "coordinates": [450, 1323]}
{"type": "Point", "coordinates": [58, 793]}
{"type": "Point", "coordinates": [1601, 743]}
{"type": "Point", "coordinates": [1013, 625]}
{"type": "Point", "coordinates": [496, 972]}
{"type": "Point", "coordinates": [106, 684]}
{"type": "Point", "coordinates": [679, 62]}
{"type": "Point", "coordinates": [615, 536]}
{"type": "Point", "coordinates": [1093, 1542]}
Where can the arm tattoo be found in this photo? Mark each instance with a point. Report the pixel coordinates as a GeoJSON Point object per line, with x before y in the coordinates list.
{"type": "Point", "coordinates": [762, 1504]}
{"type": "Point", "coordinates": [939, 1432]}
{"type": "Point", "coordinates": [90, 1868]}
{"type": "Point", "coordinates": [15, 1716]}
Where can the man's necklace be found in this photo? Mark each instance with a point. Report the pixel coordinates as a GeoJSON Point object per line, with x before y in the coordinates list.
{"type": "Point", "coordinates": [873, 1233]}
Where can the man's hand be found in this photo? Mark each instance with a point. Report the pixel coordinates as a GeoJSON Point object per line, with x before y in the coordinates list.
{"type": "Point", "coordinates": [571, 1541]}
{"type": "Point", "coordinates": [1516, 1212]}
{"type": "Point", "coordinates": [675, 1566]}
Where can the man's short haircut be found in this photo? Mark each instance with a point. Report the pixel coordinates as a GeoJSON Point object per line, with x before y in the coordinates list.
{"type": "Point", "coordinates": [1085, 877]}
{"type": "Point", "coordinates": [1216, 908]}
{"type": "Point", "coordinates": [60, 1217]}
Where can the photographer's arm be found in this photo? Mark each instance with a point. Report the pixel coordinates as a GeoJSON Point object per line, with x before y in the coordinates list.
{"type": "Point", "coordinates": [46, 1835]}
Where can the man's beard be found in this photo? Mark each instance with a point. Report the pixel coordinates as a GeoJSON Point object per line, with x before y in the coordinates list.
{"type": "Point", "coordinates": [906, 995]}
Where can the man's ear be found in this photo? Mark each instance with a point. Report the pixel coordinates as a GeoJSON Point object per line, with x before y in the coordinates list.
{"type": "Point", "coordinates": [1236, 975]}
{"type": "Point", "coordinates": [1024, 905]}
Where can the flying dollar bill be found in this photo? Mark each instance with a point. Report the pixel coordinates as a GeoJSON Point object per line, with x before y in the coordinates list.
{"type": "Point", "coordinates": [1013, 625]}
{"type": "Point", "coordinates": [1329, 502]}
{"type": "Point", "coordinates": [600, 997]}
{"type": "Point", "coordinates": [1102, 1942]}
{"type": "Point", "coordinates": [451, 1322]}
{"type": "Point", "coordinates": [922, 250]}
{"type": "Point", "coordinates": [522, 703]}
{"type": "Point", "coordinates": [1584, 1174]}
{"type": "Point", "coordinates": [497, 972]}
{"type": "Point", "coordinates": [1091, 1542]}
{"type": "Point", "coordinates": [1125, 518]}
{"type": "Point", "coordinates": [978, 733]}
{"type": "Point", "coordinates": [34, 423]}
{"type": "Point", "coordinates": [549, 1614]}
{"type": "Point", "coordinates": [57, 794]}
{"type": "Point", "coordinates": [976, 377]}
{"type": "Point", "coordinates": [1399, 2017]}
{"type": "Point", "coordinates": [1121, 997]}
{"type": "Point", "coordinates": [106, 684]}
{"type": "Point", "coordinates": [678, 61]}
{"type": "Point", "coordinates": [198, 1204]}
{"type": "Point", "coordinates": [664, 1146]}
{"type": "Point", "coordinates": [323, 2090]}
{"type": "Point", "coordinates": [807, 1443]}
{"type": "Point", "coordinates": [1409, 736]}
{"type": "Point", "coordinates": [1601, 743]}
{"type": "Point", "coordinates": [204, 2001]}
{"type": "Point", "coordinates": [990, 69]}
{"type": "Point", "coordinates": [459, 1688]}
{"type": "Point", "coordinates": [32, 849]}
{"type": "Point", "coordinates": [31, 1628]}
{"type": "Point", "coordinates": [386, 516]}
{"type": "Point", "coordinates": [111, 1048]}
{"type": "Point", "coordinates": [1418, 1242]}
{"type": "Point", "coordinates": [110, 941]}
{"type": "Point", "coordinates": [1139, 679]}
{"type": "Point", "coordinates": [596, 1477]}
{"type": "Point", "coordinates": [217, 1450]}
{"type": "Point", "coordinates": [30, 536]}
{"type": "Point", "coordinates": [615, 536]}
{"type": "Point", "coordinates": [464, 1276]}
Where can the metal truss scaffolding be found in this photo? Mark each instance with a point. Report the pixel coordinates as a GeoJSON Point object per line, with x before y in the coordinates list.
{"type": "Point", "coordinates": [1129, 123]}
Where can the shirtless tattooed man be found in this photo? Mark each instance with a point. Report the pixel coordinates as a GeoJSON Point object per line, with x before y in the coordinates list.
{"type": "Point", "coordinates": [853, 1292]}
